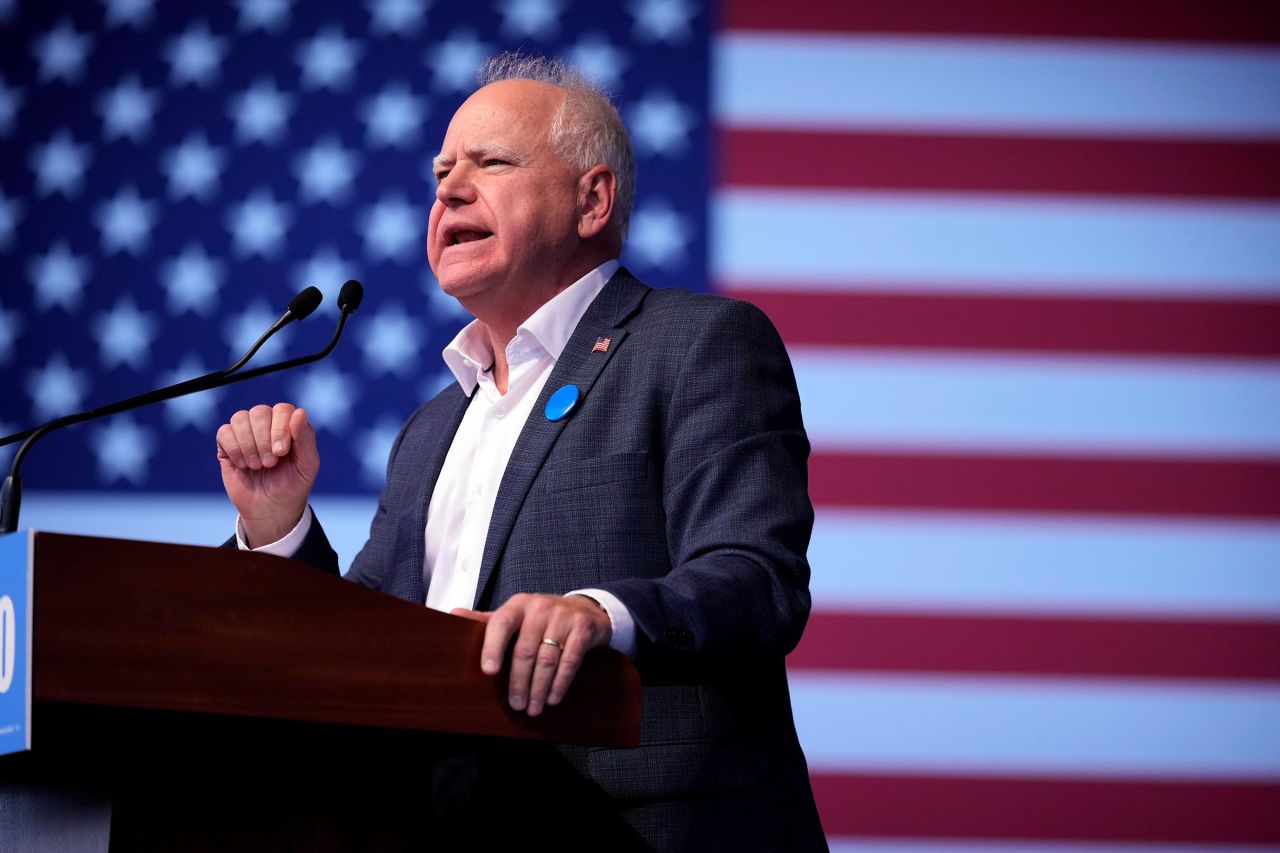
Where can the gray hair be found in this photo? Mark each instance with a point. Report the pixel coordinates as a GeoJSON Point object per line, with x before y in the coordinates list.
{"type": "Point", "coordinates": [586, 130]}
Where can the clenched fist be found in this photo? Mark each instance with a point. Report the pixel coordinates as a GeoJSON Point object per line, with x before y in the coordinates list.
{"type": "Point", "coordinates": [269, 464]}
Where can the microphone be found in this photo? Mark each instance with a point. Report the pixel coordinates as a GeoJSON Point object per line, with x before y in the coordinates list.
{"type": "Point", "coordinates": [350, 295]}
{"type": "Point", "coordinates": [299, 307]}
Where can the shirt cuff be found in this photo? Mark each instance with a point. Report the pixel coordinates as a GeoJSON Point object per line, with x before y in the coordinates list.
{"type": "Point", "coordinates": [285, 546]}
{"type": "Point", "coordinates": [624, 626]}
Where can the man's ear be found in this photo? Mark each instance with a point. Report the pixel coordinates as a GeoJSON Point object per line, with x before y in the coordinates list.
{"type": "Point", "coordinates": [597, 190]}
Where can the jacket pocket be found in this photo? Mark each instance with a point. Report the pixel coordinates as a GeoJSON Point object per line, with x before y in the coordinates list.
{"type": "Point", "coordinates": [576, 474]}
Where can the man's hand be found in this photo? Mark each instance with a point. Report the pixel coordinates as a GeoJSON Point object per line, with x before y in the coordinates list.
{"type": "Point", "coordinates": [541, 671]}
{"type": "Point", "coordinates": [269, 463]}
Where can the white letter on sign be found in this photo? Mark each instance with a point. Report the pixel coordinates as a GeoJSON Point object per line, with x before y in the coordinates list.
{"type": "Point", "coordinates": [8, 642]}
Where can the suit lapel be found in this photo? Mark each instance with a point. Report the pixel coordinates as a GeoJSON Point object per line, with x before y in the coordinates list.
{"type": "Point", "coordinates": [577, 365]}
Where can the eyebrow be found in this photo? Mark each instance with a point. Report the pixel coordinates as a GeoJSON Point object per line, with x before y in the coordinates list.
{"type": "Point", "coordinates": [476, 152]}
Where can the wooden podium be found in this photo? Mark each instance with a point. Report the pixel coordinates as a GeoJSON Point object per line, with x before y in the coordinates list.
{"type": "Point", "coordinates": [206, 698]}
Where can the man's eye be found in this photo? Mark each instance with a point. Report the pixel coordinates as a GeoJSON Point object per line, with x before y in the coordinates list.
{"type": "Point", "coordinates": [494, 161]}
{"type": "Point", "coordinates": [441, 175]}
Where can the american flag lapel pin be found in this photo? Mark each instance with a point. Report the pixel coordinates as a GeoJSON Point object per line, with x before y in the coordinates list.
{"type": "Point", "coordinates": [602, 344]}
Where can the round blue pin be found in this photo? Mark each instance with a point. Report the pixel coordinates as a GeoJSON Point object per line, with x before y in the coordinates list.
{"type": "Point", "coordinates": [562, 402]}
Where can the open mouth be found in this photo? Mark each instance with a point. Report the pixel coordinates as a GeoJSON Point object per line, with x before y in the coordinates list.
{"type": "Point", "coordinates": [468, 236]}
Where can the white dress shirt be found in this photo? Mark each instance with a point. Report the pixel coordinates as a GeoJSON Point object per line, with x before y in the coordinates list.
{"type": "Point", "coordinates": [462, 503]}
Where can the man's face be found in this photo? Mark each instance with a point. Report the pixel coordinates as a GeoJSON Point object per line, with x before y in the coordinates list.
{"type": "Point", "coordinates": [504, 215]}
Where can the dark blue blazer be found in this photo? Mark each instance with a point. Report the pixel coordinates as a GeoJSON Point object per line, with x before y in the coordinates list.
{"type": "Point", "coordinates": [679, 484]}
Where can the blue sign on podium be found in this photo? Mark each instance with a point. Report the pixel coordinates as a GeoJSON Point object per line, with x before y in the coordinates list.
{"type": "Point", "coordinates": [16, 563]}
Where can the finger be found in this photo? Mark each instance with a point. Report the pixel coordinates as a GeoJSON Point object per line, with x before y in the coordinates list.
{"type": "Point", "coordinates": [550, 656]}
{"type": "Point", "coordinates": [473, 615]}
{"type": "Point", "coordinates": [243, 430]}
{"type": "Point", "coordinates": [580, 641]}
{"type": "Point", "coordinates": [229, 448]}
{"type": "Point", "coordinates": [504, 622]}
{"type": "Point", "coordinates": [306, 455]}
{"type": "Point", "coordinates": [260, 424]}
{"type": "Point", "coordinates": [281, 437]}
{"type": "Point", "coordinates": [590, 629]}
{"type": "Point", "coordinates": [525, 650]}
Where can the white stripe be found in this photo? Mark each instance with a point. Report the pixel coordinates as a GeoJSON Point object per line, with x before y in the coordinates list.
{"type": "Point", "coordinates": [996, 85]}
{"type": "Point", "coordinates": [1035, 726]}
{"type": "Point", "coordinates": [959, 241]}
{"type": "Point", "coordinates": [1025, 403]}
{"type": "Point", "coordinates": [940, 562]}
{"type": "Point", "coordinates": [987, 845]}
{"type": "Point", "coordinates": [186, 518]}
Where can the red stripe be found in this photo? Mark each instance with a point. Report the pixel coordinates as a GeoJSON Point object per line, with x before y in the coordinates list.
{"type": "Point", "coordinates": [1201, 487]}
{"type": "Point", "coordinates": [1194, 20]}
{"type": "Point", "coordinates": [1239, 328]}
{"type": "Point", "coordinates": [1048, 809]}
{"type": "Point", "coordinates": [757, 157]}
{"type": "Point", "coordinates": [1129, 647]}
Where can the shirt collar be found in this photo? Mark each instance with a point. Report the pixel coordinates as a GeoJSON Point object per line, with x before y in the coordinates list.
{"type": "Point", "coordinates": [469, 354]}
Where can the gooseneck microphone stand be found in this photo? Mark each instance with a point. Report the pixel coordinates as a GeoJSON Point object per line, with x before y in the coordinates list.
{"type": "Point", "coordinates": [299, 307]}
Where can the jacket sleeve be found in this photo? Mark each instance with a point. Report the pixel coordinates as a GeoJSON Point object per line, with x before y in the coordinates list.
{"type": "Point", "coordinates": [735, 496]}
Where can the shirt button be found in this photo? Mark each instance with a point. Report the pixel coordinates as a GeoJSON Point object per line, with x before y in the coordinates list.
{"type": "Point", "coordinates": [500, 414]}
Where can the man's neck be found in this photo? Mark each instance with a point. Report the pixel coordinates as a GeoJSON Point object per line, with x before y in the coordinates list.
{"type": "Point", "coordinates": [502, 322]}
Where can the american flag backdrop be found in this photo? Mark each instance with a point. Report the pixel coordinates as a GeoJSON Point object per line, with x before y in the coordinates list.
{"type": "Point", "coordinates": [1025, 256]}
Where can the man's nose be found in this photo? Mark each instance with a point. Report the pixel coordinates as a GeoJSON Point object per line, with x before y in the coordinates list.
{"type": "Point", "coordinates": [456, 186]}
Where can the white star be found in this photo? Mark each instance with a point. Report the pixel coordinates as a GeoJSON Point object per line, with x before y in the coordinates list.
{"type": "Point", "coordinates": [192, 280]}
{"type": "Point", "coordinates": [241, 330]}
{"type": "Point", "coordinates": [268, 15]}
{"type": "Point", "coordinates": [58, 278]}
{"type": "Point", "coordinates": [390, 341]}
{"type": "Point", "coordinates": [59, 165]}
{"type": "Point", "coordinates": [663, 20]}
{"type": "Point", "coordinates": [10, 329]}
{"type": "Point", "coordinates": [126, 222]}
{"type": "Point", "coordinates": [538, 19]}
{"type": "Point", "coordinates": [399, 17]}
{"type": "Point", "coordinates": [327, 395]}
{"type": "Point", "coordinates": [194, 410]}
{"type": "Point", "coordinates": [456, 60]}
{"type": "Point", "coordinates": [127, 110]}
{"type": "Point", "coordinates": [658, 236]}
{"type": "Point", "coordinates": [10, 103]}
{"type": "Point", "coordinates": [56, 389]}
{"type": "Point", "coordinates": [599, 60]}
{"type": "Point", "coordinates": [325, 171]}
{"type": "Point", "coordinates": [326, 269]}
{"type": "Point", "coordinates": [393, 117]}
{"type": "Point", "coordinates": [328, 60]}
{"type": "Point", "coordinates": [660, 124]}
{"type": "Point", "coordinates": [391, 229]}
{"type": "Point", "coordinates": [10, 216]}
{"type": "Point", "coordinates": [124, 335]}
{"type": "Point", "coordinates": [61, 53]}
{"type": "Point", "coordinates": [258, 224]}
{"type": "Point", "coordinates": [123, 449]}
{"type": "Point", "coordinates": [375, 447]}
{"type": "Point", "coordinates": [193, 168]}
{"type": "Point", "coordinates": [194, 56]}
{"type": "Point", "coordinates": [261, 112]}
{"type": "Point", "coordinates": [135, 13]}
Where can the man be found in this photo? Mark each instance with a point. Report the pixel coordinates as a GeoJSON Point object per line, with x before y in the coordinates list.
{"type": "Point", "coordinates": [614, 466]}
